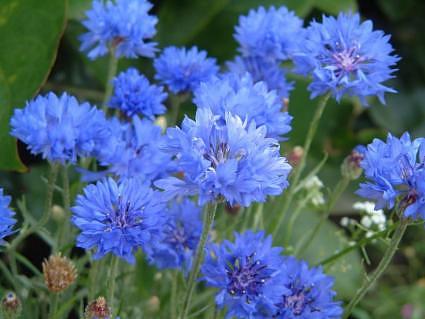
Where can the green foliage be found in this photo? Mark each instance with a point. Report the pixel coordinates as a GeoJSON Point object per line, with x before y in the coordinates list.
{"type": "Point", "coordinates": [30, 31]}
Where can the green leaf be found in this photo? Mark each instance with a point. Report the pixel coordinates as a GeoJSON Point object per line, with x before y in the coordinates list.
{"type": "Point", "coordinates": [30, 31]}
{"type": "Point", "coordinates": [348, 270]}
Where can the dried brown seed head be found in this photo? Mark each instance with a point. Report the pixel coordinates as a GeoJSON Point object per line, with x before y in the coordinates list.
{"type": "Point", "coordinates": [59, 273]}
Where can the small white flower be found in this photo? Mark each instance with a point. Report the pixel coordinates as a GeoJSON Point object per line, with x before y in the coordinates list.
{"type": "Point", "coordinates": [345, 221]}
{"type": "Point", "coordinates": [366, 221]}
{"type": "Point", "coordinates": [313, 182]}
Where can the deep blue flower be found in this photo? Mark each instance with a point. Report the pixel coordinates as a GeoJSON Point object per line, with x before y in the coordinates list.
{"type": "Point", "coordinates": [124, 25]}
{"type": "Point", "coordinates": [395, 172]}
{"type": "Point", "coordinates": [60, 129]}
{"type": "Point", "coordinates": [136, 151]}
{"type": "Point", "coordinates": [179, 236]}
{"type": "Point", "coordinates": [117, 218]}
{"type": "Point", "coordinates": [183, 70]}
{"type": "Point", "coordinates": [224, 158]}
{"type": "Point", "coordinates": [240, 96]}
{"type": "Point", "coordinates": [346, 57]}
{"type": "Point", "coordinates": [133, 94]}
{"type": "Point", "coordinates": [308, 293]}
{"type": "Point", "coordinates": [246, 273]}
{"type": "Point", "coordinates": [271, 34]}
{"type": "Point", "coordinates": [6, 217]}
{"type": "Point", "coordinates": [264, 70]}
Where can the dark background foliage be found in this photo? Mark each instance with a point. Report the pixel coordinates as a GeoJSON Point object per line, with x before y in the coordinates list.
{"type": "Point", "coordinates": [39, 52]}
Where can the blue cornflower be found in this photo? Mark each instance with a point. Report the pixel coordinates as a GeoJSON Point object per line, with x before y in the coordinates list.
{"type": "Point", "coordinates": [136, 151]}
{"type": "Point", "coordinates": [264, 70]}
{"type": "Point", "coordinates": [124, 25]}
{"type": "Point", "coordinates": [224, 158]}
{"type": "Point", "coordinates": [6, 217]}
{"type": "Point", "coordinates": [395, 172]}
{"type": "Point", "coordinates": [240, 96]}
{"type": "Point", "coordinates": [271, 34]}
{"type": "Point", "coordinates": [133, 94]}
{"type": "Point", "coordinates": [117, 217]}
{"type": "Point", "coordinates": [179, 236]}
{"type": "Point", "coordinates": [246, 273]}
{"type": "Point", "coordinates": [307, 294]}
{"type": "Point", "coordinates": [346, 57]}
{"type": "Point", "coordinates": [183, 70]}
{"type": "Point", "coordinates": [60, 129]}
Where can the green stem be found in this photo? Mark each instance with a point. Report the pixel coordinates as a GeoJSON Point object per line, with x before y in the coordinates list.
{"type": "Point", "coordinates": [176, 101]}
{"type": "Point", "coordinates": [336, 194]}
{"type": "Point", "coordinates": [112, 70]}
{"type": "Point", "coordinates": [111, 282]}
{"type": "Point", "coordinates": [174, 289]}
{"type": "Point", "coordinates": [385, 261]}
{"type": "Point", "coordinates": [300, 167]}
{"type": "Point", "coordinates": [64, 227]}
{"type": "Point", "coordinates": [54, 168]}
{"type": "Point", "coordinates": [53, 305]}
{"type": "Point", "coordinates": [209, 215]}
{"type": "Point", "coordinates": [93, 275]}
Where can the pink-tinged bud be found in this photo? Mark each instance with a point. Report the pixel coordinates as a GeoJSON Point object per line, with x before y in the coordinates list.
{"type": "Point", "coordinates": [98, 309]}
{"type": "Point", "coordinates": [294, 157]}
{"type": "Point", "coordinates": [350, 168]}
{"type": "Point", "coordinates": [11, 306]}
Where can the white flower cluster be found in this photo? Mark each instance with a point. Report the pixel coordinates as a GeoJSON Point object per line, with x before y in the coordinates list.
{"type": "Point", "coordinates": [313, 186]}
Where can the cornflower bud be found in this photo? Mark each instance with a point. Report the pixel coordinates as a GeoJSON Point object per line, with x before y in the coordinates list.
{"type": "Point", "coordinates": [350, 168]}
{"type": "Point", "coordinates": [11, 306]}
{"type": "Point", "coordinates": [294, 157]}
{"type": "Point", "coordinates": [97, 309]}
{"type": "Point", "coordinates": [59, 273]}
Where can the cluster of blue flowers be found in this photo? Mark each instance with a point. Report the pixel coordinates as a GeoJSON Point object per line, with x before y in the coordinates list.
{"type": "Point", "coordinates": [6, 217]}
{"type": "Point", "coordinates": [395, 172]}
{"type": "Point", "coordinates": [229, 153]}
{"type": "Point", "coordinates": [256, 281]}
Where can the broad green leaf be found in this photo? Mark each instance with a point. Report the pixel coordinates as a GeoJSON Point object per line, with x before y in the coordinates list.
{"type": "Point", "coordinates": [30, 31]}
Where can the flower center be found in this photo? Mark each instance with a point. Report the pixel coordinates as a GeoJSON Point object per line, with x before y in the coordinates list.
{"type": "Point", "coordinates": [123, 216]}
{"type": "Point", "coordinates": [296, 303]}
{"type": "Point", "coordinates": [246, 277]}
{"type": "Point", "coordinates": [347, 60]}
{"type": "Point", "coordinates": [218, 154]}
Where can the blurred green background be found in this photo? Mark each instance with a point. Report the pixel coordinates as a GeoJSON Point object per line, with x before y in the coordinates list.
{"type": "Point", "coordinates": [39, 52]}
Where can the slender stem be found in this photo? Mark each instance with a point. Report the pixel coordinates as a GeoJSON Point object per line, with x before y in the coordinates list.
{"type": "Point", "coordinates": [112, 70]}
{"type": "Point", "coordinates": [300, 167]}
{"type": "Point", "coordinates": [64, 226]}
{"type": "Point", "coordinates": [336, 194]}
{"type": "Point", "coordinates": [209, 215]}
{"type": "Point", "coordinates": [383, 264]}
{"type": "Point", "coordinates": [176, 101]}
{"type": "Point", "coordinates": [174, 289]}
{"type": "Point", "coordinates": [93, 275]}
{"type": "Point", "coordinates": [54, 168]}
{"type": "Point", "coordinates": [111, 282]}
{"type": "Point", "coordinates": [53, 305]}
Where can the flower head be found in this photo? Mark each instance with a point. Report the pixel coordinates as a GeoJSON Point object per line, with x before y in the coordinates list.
{"type": "Point", "coordinates": [395, 170]}
{"type": "Point", "coordinates": [346, 57]}
{"type": "Point", "coordinates": [60, 129]}
{"type": "Point", "coordinates": [133, 94]}
{"type": "Point", "coordinates": [263, 70]}
{"type": "Point", "coordinates": [98, 309]}
{"type": "Point", "coordinates": [307, 294]}
{"type": "Point", "coordinates": [183, 70]}
{"type": "Point", "coordinates": [122, 25]}
{"type": "Point", "coordinates": [246, 272]}
{"type": "Point", "coordinates": [179, 236]}
{"type": "Point", "coordinates": [117, 218]}
{"type": "Point", "coordinates": [240, 96]}
{"type": "Point", "coordinates": [136, 151]}
{"type": "Point", "coordinates": [224, 158]}
{"type": "Point", "coordinates": [59, 273]}
{"type": "Point", "coordinates": [11, 306]}
{"type": "Point", "coordinates": [271, 34]}
{"type": "Point", "coordinates": [6, 217]}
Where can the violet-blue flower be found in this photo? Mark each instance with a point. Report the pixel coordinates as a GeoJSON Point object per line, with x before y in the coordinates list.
{"type": "Point", "coordinates": [264, 70]}
{"type": "Point", "coordinates": [122, 25]}
{"type": "Point", "coordinates": [60, 128]}
{"type": "Point", "coordinates": [240, 96]}
{"type": "Point", "coordinates": [270, 33]}
{"type": "Point", "coordinates": [345, 56]}
{"type": "Point", "coordinates": [179, 236]}
{"type": "Point", "coordinates": [136, 151]}
{"type": "Point", "coordinates": [246, 273]}
{"type": "Point", "coordinates": [308, 293]}
{"type": "Point", "coordinates": [182, 70]}
{"type": "Point", "coordinates": [224, 158]}
{"type": "Point", "coordinates": [6, 217]}
{"type": "Point", "coordinates": [133, 94]}
{"type": "Point", "coordinates": [117, 217]}
{"type": "Point", "coordinates": [395, 171]}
